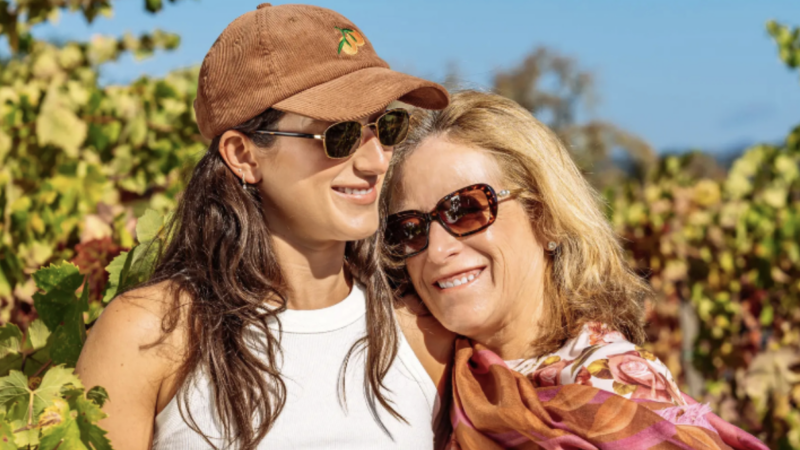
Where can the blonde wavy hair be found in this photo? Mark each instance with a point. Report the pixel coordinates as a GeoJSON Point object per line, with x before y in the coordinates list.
{"type": "Point", "coordinates": [587, 278]}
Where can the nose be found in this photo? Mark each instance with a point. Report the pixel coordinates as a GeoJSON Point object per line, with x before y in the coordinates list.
{"type": "Point", "coordinates": [371, 158]}
{"type": "Point", "coordinates": [442, 245]}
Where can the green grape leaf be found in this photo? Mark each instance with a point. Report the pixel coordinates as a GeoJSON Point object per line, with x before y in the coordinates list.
{"type": "Point", "coordinates": [61, 311]}
{"type": "Point", "coordinates": [54, 381]}
{"type": "Point", "coordinates": [144, 262]}
{"type": "Point", "coordinates": [5, 145]}
{"type": "Point", "coordinates": [7, 441]}
{"type": "Point", "coordinates": [68, 338]}
{"type": "Point", "coordinates": [137, 130]}
{"type": "Point", "coordinates": [98, 394]}
{"type": "Point", "coordinates": [767, 315]}
{"type": "Point", "coordinates": [131, 268]}
{"type": "Point", "coordinates": [10, 340]}
{"type": "Point", "coordinates": [15, 395]}
{"type": "Point", "coordinates": [63, 276]}
{"type": "Point", "coordinates": [94, 312]}
{"type": "Point", "coordinates": [10, 349]}
{"type": "Point", "coordinates": [57, 125]}
{"type": "Point", "coordinates": [24, 434]}
{"type": "Point", "coordinates": [5, 284]}
{"type": "Point", "coordinates": [149, 226]}
{"type": "Point", "coordinates": [37, 335]}
{"type": "Point", "coordinates": [59, 429]}
{"type": "Point", "coordinates": [117, 271]}
{"type": "Point", "coordinates": [89, 414]}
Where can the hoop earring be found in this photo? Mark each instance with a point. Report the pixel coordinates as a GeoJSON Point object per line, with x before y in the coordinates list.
{"type": "Point", "coordinates": [244, 183]}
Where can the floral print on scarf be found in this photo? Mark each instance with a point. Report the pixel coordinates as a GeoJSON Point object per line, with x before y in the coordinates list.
{"type": "Point", "coordinates": [604, 359]}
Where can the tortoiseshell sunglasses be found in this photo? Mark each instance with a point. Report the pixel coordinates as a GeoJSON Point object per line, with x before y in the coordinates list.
{"type": "Point", "coordinates": [341, 139]}
{"type": "Point", "coordinates": [462, 213]}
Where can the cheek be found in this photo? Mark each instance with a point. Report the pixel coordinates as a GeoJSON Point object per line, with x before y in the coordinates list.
{"type": "Point", "coordinates": [295, 166]}
{"type": "Point", "coordinates": [414, 269]}
{"type": "Point", "coordinates": [294, 175]}
{"type": "Point", "coordinates": [517, 260]}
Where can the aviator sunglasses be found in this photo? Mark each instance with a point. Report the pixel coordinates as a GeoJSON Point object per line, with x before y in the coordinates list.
{"type": "Point", "coordinates": [462, 213]}
{"type": "Point", "coordinates": [341, 139]}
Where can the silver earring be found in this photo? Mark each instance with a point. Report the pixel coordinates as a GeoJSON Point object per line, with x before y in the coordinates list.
{"type": "Point", "coordinates": [552, 246]}
{"type": "Point", "coordinates": [244, 183]}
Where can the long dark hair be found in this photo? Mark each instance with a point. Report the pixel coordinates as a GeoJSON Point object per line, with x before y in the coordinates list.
{"type": "Point", "coordinates": [220, 257]}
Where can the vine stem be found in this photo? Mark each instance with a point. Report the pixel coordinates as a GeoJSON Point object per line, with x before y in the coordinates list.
{"type": "Point", "coordinates": [41, 369]}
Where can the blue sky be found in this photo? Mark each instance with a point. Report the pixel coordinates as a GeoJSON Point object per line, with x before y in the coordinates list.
{"type": "Point", "coordinates": [679, 73]}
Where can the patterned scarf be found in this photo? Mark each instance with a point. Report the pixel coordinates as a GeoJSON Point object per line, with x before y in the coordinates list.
{"type": "Point", "coordinates": [495, 407]}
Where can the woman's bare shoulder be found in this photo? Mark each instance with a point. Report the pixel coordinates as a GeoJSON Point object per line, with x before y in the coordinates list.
{"type": "Point", "coordinates": [139, 315]}
{"type": "Point", "coordinates": [128, 353]}
{"type": "Point", "coordinates": [131, 327]}
{"type": "Point", "coordinates": [431, 342]}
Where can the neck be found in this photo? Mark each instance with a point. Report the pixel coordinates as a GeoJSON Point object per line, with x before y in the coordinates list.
{"type": "Point", "coordinates": [315, 273]}
{"type": "Point", "coordinates": [520, 326]}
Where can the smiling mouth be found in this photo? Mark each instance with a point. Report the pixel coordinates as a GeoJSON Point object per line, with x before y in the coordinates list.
{"type": "Point", "coordinates": [351, 191]}
{"type": "Point", "coordinates": [458, 280]}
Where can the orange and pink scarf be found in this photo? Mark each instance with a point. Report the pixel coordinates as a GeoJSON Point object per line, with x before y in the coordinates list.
{"type": "Point", "coordinates": [598, 392]}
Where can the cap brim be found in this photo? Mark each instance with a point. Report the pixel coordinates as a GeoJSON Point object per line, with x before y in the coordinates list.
{"type": "Point", "coordinates": [364, 92]}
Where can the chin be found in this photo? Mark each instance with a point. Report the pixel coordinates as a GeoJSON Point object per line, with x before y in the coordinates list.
{"type": "Point", "coordinates": [463, 321]}
{"type": "Point", "coordinates": [356, 229]}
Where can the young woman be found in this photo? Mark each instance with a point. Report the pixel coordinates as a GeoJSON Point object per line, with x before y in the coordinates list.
{"type": "Point", "coordinates": [260, 327]}
{"type": "Point", "coordinates": [493, 226]}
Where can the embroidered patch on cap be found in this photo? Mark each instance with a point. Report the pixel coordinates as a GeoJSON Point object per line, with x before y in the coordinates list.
{"type": "Point", "coordinates": [350, 41]}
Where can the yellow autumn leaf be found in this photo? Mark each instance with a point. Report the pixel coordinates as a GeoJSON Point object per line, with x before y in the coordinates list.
{"type": "Point", "coordinates": [706, 193]}
{"type": "Point", "coordinates": [37, 224]}
{"type": "Point", "coordinates": [59, 126]}
{"type": "Point", "coordinates": [5, 145]}
{"type": "Point", "coordinates": [46, 64]}
{"type": "Point", "coordinates": [70, 56]}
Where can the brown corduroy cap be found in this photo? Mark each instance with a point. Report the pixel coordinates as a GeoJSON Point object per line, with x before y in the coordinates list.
{"type": "Point", "coordinates": [301, 59]}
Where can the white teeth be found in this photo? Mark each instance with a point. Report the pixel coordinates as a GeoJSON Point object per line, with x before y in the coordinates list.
{"type": "Point", "coordinates": [457, 282]}
{"type": "Point", "coordinates": [351, 191]}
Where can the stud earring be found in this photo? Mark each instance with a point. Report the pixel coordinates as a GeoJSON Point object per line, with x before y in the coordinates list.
{"type": "Point", "coordinates": [552, 246]}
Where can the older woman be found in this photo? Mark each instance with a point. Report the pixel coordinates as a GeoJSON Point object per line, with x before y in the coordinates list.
{"type": "Point", "coordinates": [493, 226]}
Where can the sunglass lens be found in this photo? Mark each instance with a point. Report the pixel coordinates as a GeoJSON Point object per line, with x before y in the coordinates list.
{"type": "Point", "coordinates": [342, 139]}
{"type": "Point", "coordinates": [466, 212]}
{"type": "Point", "coordinates": [393, 127]}
{"type": "Point", "coordinates": [406, 236]}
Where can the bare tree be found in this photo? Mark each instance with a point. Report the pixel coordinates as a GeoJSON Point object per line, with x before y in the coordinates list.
{"type": "Point", "coordinates": [554, 89]}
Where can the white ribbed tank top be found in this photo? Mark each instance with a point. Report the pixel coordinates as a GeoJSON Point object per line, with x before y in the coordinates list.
{"type": "Point", "coordinates": [314, 346]}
